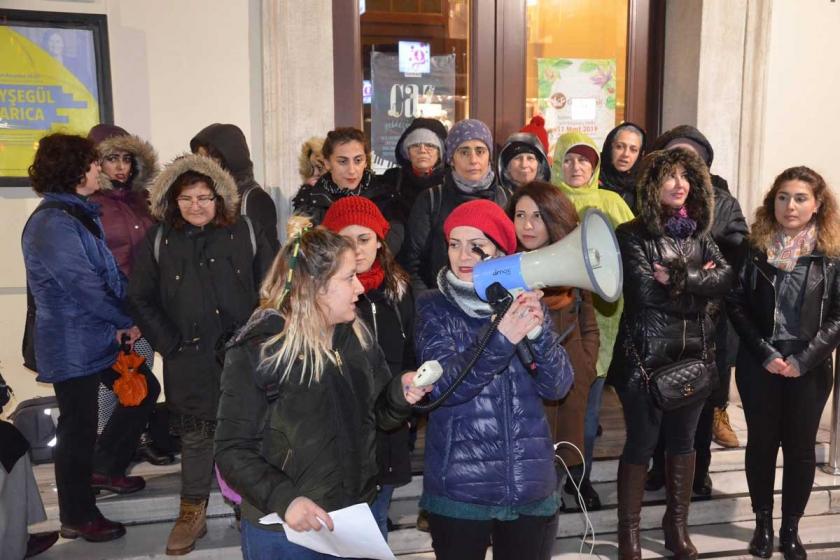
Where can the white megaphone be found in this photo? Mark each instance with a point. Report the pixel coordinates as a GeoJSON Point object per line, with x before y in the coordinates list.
{"type": "Point", "coordinates": [586, 258]}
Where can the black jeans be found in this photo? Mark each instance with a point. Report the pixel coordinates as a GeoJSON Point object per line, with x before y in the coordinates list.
{"type": "Point", "coordinates": [466, 539]}
{"type": "Point", "coordinates": [643, 420]}
{"type": "Point", "coordinates": [719, 398]}
{"type": "Point", "coordinates": [77, 445]}
{"type": "Point", "coordinates": [782, 412]}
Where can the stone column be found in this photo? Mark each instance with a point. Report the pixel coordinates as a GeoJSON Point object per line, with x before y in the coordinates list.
{"type": "Point", "coordinates": [297, 89]}
{"type": "Point", "coordinates": [714, 79]}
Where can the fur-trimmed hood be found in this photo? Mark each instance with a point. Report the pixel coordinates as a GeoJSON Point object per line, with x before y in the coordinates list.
{"type": "Point", "coordinates": [700, 202]}
{"type": "Point", "coordinates": [223, 183]}
{"type": "Point", "coordinates": [144, 160]}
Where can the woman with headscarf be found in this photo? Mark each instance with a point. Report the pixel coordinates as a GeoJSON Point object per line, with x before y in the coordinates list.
{"type": "Point", "coordinates": [621, 158]}
{"type": "Point", "coordinates": [575, 172]}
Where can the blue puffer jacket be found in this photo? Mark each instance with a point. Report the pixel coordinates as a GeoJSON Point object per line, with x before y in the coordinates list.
{"type": "Point", "coordinates": [78, 291]}
{"type": "Point", "coordinates": [489, 444]}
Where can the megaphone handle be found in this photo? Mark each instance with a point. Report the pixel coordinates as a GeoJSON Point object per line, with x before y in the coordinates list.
{"type": "Point", "coordinates": [525, 352]}
{"type": "Point", "coordinates": [535, 333]}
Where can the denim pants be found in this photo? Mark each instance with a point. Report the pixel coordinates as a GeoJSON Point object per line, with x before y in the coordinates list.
{"type": "Point", "coordinates": [260, 544]}
{"type": "Point", "coordinates": [380, 506]}
{"type": "Point", "coordinates": [591, 420]}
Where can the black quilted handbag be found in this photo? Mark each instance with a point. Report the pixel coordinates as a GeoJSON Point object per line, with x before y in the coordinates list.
{"type": "Point", "coordinates": [681, 383]}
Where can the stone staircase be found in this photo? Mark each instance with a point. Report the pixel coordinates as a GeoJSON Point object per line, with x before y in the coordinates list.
{"type": "Point", "coordinates": [721, 526]}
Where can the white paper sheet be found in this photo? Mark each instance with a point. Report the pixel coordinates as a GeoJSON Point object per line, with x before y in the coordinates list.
{"type": "Point", "coordinates": [356, 535]}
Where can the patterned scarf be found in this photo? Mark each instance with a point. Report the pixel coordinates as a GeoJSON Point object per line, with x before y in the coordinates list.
{"type": "Point", "coordinates": [373, 277]}
{"type": "Point", "coordinates": [785, 250]}
{"type": "Point", "coordinates": [679, 225]}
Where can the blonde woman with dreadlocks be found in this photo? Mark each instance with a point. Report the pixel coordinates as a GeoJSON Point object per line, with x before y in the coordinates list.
{"type": "Point", "coordinates": [303, 390]}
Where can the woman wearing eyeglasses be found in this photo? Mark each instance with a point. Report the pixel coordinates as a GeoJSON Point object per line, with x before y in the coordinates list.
{"type": "Point", "coordinates": [195, 282]}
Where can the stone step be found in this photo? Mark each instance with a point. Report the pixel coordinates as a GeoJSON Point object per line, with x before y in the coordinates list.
{"type": "Point", "coordinates": [722, 541]}
{"type": "Point", "coordinates": [159, 501]}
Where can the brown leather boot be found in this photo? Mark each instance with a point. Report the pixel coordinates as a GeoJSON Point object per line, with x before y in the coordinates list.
{"type": "Point", "coordinates": [679, 477]}
{"type": "Point", "coordinates": [189, 527]}
{"type": "Point", "coordinates": [631, 489]}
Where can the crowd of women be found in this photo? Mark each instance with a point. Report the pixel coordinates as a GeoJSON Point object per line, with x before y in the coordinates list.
{"type": "Point", "coordinates": [291, 368]}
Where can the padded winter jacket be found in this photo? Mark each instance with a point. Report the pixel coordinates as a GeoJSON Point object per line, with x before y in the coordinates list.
{"type": "Point", "coordinates": [663, 321]}
{"type": "Point", "coordinates": [78, 291]}
{"type": "Point", "coordinates": [489, 443]}
{"type": "Point", "coordinates": [278, 441]}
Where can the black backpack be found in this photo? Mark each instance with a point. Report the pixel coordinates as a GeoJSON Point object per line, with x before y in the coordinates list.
{"type": "Point", "coordinates": [28, 343]}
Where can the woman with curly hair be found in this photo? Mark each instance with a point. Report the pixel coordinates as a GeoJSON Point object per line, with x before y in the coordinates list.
{"type": "Point", "coordinates": [786, 309]}
{"type": "Point", "coordinates": [672, 270]}
{"type": "Point", "coordinates": [80, 319]}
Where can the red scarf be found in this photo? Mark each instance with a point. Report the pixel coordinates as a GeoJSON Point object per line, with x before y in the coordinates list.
{"type": "Point", "coordinates": [372, 278]}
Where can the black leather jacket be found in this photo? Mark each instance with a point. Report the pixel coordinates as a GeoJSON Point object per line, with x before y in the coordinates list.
{"type": "Point", "coordinates": [752, 307]}
{"type": "Point", "coordinates": [662, 322]}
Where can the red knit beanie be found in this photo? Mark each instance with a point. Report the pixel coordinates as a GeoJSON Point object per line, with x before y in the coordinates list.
{"type": "Point", "coordinates": [355, 211]}
{"type": "Point", "coordinates": [537, 128]}
{"type": "Point", "coordinates": [487, 217]}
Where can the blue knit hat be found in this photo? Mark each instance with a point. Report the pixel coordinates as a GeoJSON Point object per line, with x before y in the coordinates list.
{"type": "Point", "coordinates": [467, 129]}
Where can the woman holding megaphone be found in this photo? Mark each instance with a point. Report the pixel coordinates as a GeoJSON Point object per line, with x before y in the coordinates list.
{"type": "Point", "coordinates": [489, 470]}
{"type": "Point", "coordinates": [672, 270]}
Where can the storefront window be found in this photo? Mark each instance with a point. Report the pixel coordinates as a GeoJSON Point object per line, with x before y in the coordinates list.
{"type": "Point", "coordinates": [415, 63]}
{"type": "Point", "coordinates": [577, 65]}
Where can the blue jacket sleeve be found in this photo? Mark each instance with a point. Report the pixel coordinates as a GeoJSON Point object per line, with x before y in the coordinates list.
{"type": "Point", "coordinates": [59, 248]}
{"type": "Point", "coordinates": [554, 369]}
{"type": "Point", "coordinates": [435, 340]}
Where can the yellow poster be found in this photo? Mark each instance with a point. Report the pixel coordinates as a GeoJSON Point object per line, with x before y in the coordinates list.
{"type": "Point", "coordinates": [47, 84]}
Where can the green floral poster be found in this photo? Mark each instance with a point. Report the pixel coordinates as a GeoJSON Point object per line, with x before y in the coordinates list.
{"type": "Point", "coordinates": [577, 94]}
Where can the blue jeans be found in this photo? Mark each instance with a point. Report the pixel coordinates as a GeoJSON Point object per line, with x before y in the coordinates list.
{"type": "Point", "coordinates": [259, 544]}
{"type": "Point", "coordinates": [380, 506]}
{"type": "Point", "coordinates": [590, 421]}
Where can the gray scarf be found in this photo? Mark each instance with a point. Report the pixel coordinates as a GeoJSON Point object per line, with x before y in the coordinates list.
{"type": "Point", "coordinates": [473, 187]}
{"type": "Point", "coordinates": [462, 294]}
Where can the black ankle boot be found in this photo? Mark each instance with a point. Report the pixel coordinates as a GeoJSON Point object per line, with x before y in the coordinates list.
{"type": "Point", "coordinates": [789, 542]}
{"type": "Point", "coordinates": [146, 451]}
{"type": "Point", "coordinates": [761, 544]}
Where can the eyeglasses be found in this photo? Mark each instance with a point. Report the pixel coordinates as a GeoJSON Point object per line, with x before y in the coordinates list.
{"type": "Point", "coordinates": [202, 201]}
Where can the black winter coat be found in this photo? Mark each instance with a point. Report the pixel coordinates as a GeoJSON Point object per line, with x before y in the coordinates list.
{"type": "Point", "coordinates": [425, 250]}
{"type": "Point", "coordinates": [663, 322]}
{"type": "Point", "coordinates": [314, 202]}
{"type": "Point", "coordinates": [392, 324]}
{"type": "Point", "coordinates": [190, 300]}
{"type": "Point", "coordinates": [402, 181]}
{"type": "Point", "coordinates": [315, 440]}
{"type": "Point", "coordinates": [752, 306]}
